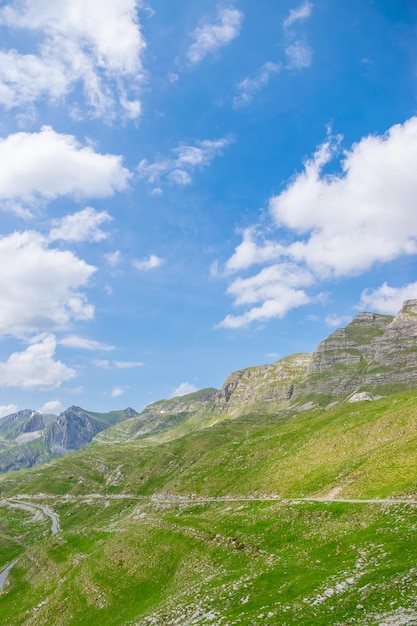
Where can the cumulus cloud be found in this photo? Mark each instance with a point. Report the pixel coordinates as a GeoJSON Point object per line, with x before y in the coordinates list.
{"type": "Point", "coordinates": [40, 285]}
{"type": "Point", "coordinates": [35, 368]}
{"type": "Point", "coordinates": [117, 391]}
{"type": "Point", "coordinates": [52, 406]}
{"type": "Point", "coordinates": [248, 87]}
{"type": "Point", "coordinates": [82, 343]}
{"type": "Point", "coordinates": [7, 409]}
{"type": "Point", "coordinates": [386, 299]}
{"type": "Point", "coordinates": [332, 225]}
{"type": "Point", "coordinates": [209, 37]}
{"type": "Point", "coordinates": [300, 13]}
{"type": "Point", "coordinates": [97, 43]}
{"type": "Point", "coordinates": [177, 169]}
{"type": "Point", "coordinates": [299, 55]}
{"type": "Point", "coordinates": [184, 389]}
{"type": "Point", "coordinates": [150, 263]}
{"type": "Point", "coordinates": [275, 290]}
{"type": "Point", "coordinates": [249, 252]}
{"type": "Point", "coordinates": [45, 165]}
{"type": "Point", "coordinates": [81, 226]}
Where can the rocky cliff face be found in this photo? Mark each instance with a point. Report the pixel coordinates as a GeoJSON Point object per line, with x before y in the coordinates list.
{"type": "Point", "coordinates": [374, 353]}
{"type": "Point", "coordinates": [72, 430]}
{"type": "Point", "coordinates": [269, 387]}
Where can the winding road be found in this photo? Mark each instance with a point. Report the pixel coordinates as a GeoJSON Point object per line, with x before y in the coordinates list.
{"type": "Point", "coordinates": [34, 508]}
{"type": "Point", "coordinates": [177, 499]}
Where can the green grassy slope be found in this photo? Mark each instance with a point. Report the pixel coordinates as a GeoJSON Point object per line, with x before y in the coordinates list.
{"type": "Point", "coordinates": [131, 551]}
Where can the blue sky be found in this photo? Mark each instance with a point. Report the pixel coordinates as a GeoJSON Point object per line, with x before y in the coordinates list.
{"type": "Point", "coordinates": [192, 188]}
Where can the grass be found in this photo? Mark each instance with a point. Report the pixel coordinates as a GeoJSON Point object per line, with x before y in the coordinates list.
{"type": "Point", "coordinates": [132, 561]}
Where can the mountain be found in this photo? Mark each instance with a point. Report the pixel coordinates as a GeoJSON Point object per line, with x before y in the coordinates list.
{"type": "Point", "coordinates": [28, 438]}
{"type": "Point", "coordinates": [286, 497]}
{"type": "Point", "coordinates": [374, 355]}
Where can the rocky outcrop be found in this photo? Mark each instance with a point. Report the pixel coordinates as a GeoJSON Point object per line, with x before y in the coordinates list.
{"type": "Point", "coordinates": [34, 423]}
{"type": "Point", "coordinates": [73, 429]}
{"type": "Point", "coordinates": [374, 354]}
{"type": "Point", "coordinates": [269, 387]}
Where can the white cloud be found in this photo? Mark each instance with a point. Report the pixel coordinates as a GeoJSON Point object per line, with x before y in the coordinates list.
{"type": "Point", "coordinates": [94, 42]}
{"type": "Point", "coordinates": [177, 169]}
{"type": "Point", "coordinates": [113, 258]}
{"type": "Point", "coordinates": [127, 364]}
{"type": "Point", "coordinates": [40, 285]}
{"type": "Point", "coordinates": [249, 252]}
{"type": "Point", "coordinates": [366, 214]}
{"type": "Point", "coordinates": [35, 367]}
{"type": "Point", "coordinates": [53, 406]}
{"type": "Point", "coordinates": [80, 226]}
{"type": "Point", "coordinates": [330, 226]}
{"type": "Point", "coordinates": [73, 341]}
{"type": "Point", "coordinates": [150, 263]}
{"type": "Point", "coordinates": [386, 299]}
{"type": "Point", "coordinates": [117, 391]}
{"type": "Point", "coordinates": [299, 55]}
{"type": "Point", "coordinates": [248, 87]}
{"type": "Point", "coordinates": [209, 37]}
{"type": "Point", "coordinates": [184, 389]}
{"type": "Point", "coordinates": [276, 290]}
{"type": "Point", "coordinates": [46, 165]}
{"type": "Point", "coordinates": [105, 364]}
{"type": "Point", "coordinates": [300, 13]}
{"type": "Point", "coordinates": [337, 321]}
{"type": "Point", "coordinates": [8, 409]}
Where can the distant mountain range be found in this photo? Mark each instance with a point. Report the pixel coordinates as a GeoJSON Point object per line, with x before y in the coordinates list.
{"type": "Point", "coordinates": [30, 438]}
{"type": "Point", "coordinates": [375, 355]}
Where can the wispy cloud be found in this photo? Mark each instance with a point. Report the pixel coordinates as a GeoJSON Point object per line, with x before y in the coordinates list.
{"type": "Point", "coordinates": [73, 341]}
{"type": "Point", "coordinates": [248, 87]}
{"type": "Point", "coordinates": [300, 13]}
{"type": "Point", "coordinates": [105, 364]}
{"type": "Point", "coordinates": [299, 55]}
{"type": "Point", "coordinates": [210, 36]}
{"type": "Point", "coordinates": [178, 168]}
{"type": "Point", "coordinates": [150, 263]}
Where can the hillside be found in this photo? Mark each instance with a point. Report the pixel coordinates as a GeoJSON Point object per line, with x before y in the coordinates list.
{"type": "Point", "coordinates": [216, 508]}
